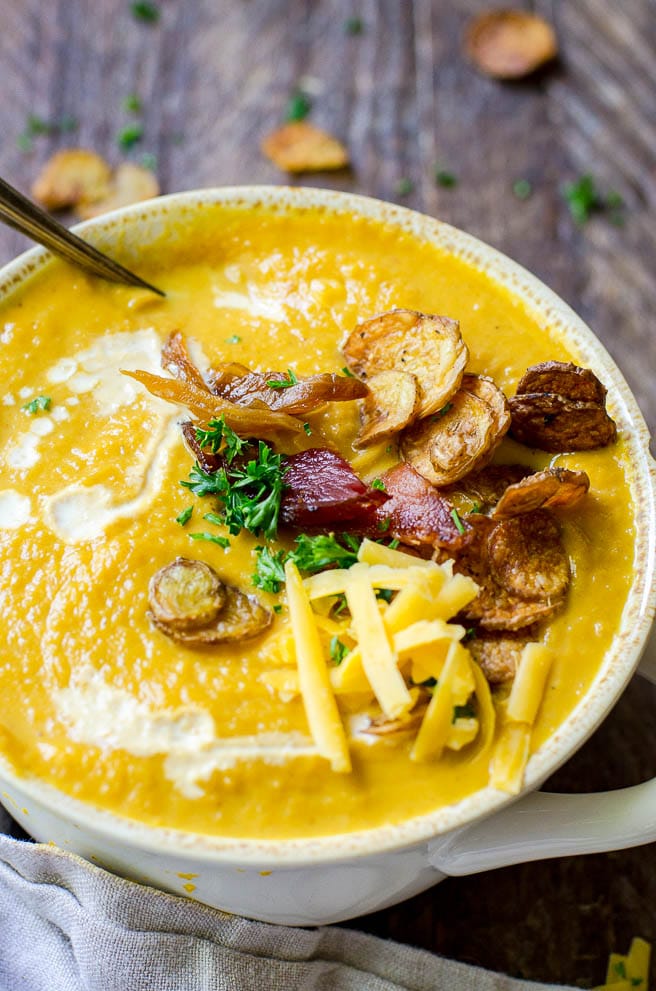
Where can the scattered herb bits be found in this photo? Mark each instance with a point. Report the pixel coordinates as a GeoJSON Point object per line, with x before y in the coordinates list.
{"type": "Point", "coordinates": [584, 198]}
{"type": "Point", "coordinates": [129, 136]}
{"type": "Point", "coordinates": [298, 106]}
{"type": "Point", "coordinates": [338, 650]}
{"type": "Point", "coordinates": [404, 187]}
{"type": "Point", "coordinates": [145, 11]}
{"type": "Point", "coordinates": [40, 404]}
{"type": "Point", "coordinates": [132, 104]}
{"type": "Point", "coordinates": [445, 179]}
{"type": "Point", "coordinates": [522, 189]}
{"type": "Point", "coordinates": [353, 26]}
{"type": "Point", "coordinates": [184, 517]}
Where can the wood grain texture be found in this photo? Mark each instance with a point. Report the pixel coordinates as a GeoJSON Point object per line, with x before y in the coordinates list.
{"type": "Point", "coordinates": [214, 76]}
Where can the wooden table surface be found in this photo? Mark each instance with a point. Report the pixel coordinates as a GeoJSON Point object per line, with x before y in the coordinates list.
{"type": "Point", "coordinates": [214, 76]}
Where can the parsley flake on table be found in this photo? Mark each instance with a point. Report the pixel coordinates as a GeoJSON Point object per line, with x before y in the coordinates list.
{"type": "Point", "coordinates": [40, 404]}
{"type": "Point", "coordinates": [584, 198]}
{"type": "Point", "coordinates": [298, 106]}
{"type": "Point", "coordinates": [404, 186]}
{"type": "Point", "coordinates": [522, 189]}
{"type": "Point", "coordinates": [129, 136]}
{"type": "Point", "coordinates": [445, 179]}
{"type": "Point", "coordinates": [37, 127]}
{"type": "Point", "coordinates": [145, 11]}
{"type": "Point", "coordinates": [132, 104]}
{"type": "Point", "coordinates": [353, 26]}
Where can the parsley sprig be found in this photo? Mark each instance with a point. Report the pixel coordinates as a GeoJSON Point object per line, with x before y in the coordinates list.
{"type": "Point", "coordinates": [219, 437]}
{"type": "Point", "coordinates": [311, 554]}
{"type": "Point", "coordinates": [250, 491]}
{"type": "Point", "coordinates": [286, 382]}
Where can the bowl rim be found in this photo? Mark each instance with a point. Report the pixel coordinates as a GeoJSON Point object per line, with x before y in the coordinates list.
{"type": "Point", "coordinates": [621, 659]}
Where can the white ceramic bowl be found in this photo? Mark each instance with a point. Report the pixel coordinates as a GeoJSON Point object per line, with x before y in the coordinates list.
{"type": "Point", "coordinates": [309, 882]}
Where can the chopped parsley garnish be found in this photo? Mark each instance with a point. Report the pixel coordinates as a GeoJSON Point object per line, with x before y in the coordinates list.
{"type": "Point", "coordinates": [233, 339]}
{"type": "Point", "coordinates": [277, 608]}
{"type": "Point", "coordinates": [379, 484]}
{"type": "Point", "coordinates": [128, 136]}
{"type": "Point", "coordinates": [220, 437]}
{"type": "Point", "coordinates": [324, 551]}
{"type": "Point", "coordinates": [298, 107]}
{"type": "Point", "coordinates": [213, 538]}
{"type": "Point", "coordinates": [285, 382]}
{"type": "Point", "coordinates": [250, 492]}
{"type": "Point", "coordinates": [384, 525]}
{"type": "Point", "coordinates": [620, 969]}
{"type": "Point", "coordinates": [522, 189]}
{"type": "Point", "coordinates": [386, 594]}
{"type": "Point", "coordinates": [463, 712]}
{"type": "Point", "coordinates": [476, 508]}
{"type": "Point", "coordinates": [393, 544]}
{"type": "Point", "coordinates": [584, 198]}
{"type": "Point", "coordinates": [404, 186]}
{"type": "Point", "coordinates": [40, 404]}
{"type": "Point", "coordinates": [184, 516]}
{"type": "Point", "coordinates": [213, 518]}
{"type": "Point", "coordinates": [353, 26]}
{"type": "Point", "coordinates": [338, 650]}
{"type": "Point", "coordinates": [347, 371]}
{"type": "Point", "coordinates": [470, 634]}
{"type": "Point", "coordinates": [143, 10]}
{"type": "Point", "coordinates": [445, 409]}
{"type": "Point", "coordinates": [270, 569]}
{"type": "Point", "coordinates": [445, 179]}
{"type": "Point", "coordinates": [427, 683]}
{"type": "Point", "coordinates": [308, 429]}
{"type": "Point", "coordinates": [458, 522]}
{"type": "Point", "coordinates": [132, 104]}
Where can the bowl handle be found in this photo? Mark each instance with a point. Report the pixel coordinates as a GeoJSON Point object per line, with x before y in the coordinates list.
{"type": "Point", "coordinates": [544, 825]}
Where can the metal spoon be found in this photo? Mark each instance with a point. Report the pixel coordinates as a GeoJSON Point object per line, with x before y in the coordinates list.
{"type": "Point", "coordinates": [21, 214]}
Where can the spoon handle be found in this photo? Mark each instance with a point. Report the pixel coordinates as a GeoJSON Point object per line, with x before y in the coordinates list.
{"type": "Point", "coordinates": [21, 214]}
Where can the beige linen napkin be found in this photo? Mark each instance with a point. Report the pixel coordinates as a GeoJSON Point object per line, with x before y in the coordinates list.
{"type": "Point", "coordinates": [66, 925]}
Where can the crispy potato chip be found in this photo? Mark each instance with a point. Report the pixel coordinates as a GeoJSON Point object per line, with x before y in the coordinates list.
{"type": "Point", "coordinates": [302, 147]}
{"type": "Point", "coordinates": [429, 347]}
{"type": "Point", "coordinates": [391, 405]}
{"type": "Point", "coordinates": [498, 654]}
{"type": "Point", "coordinates": [72, 175]}
{"type": "Point", "coordinates": [130, 184]}
{"type": "Point", "coordinates": [185, 594]}
{"type": "Point", "coordinates": [463, 437]}
{"type": "Point", "coordinates": [553, 488]}
{"type": "Point", "coordinates": [509, 44]}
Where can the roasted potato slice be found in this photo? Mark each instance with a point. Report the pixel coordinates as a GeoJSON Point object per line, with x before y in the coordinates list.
{"type": "Point", "coordinates": [71, 176]}
{"type": "Point", "coordinates": [429, 347]}
{"type": "Point", "coordinates": [189, 603]}
{"type": "Point", "coordinates": [509, 44]}
{"type": "Point", "coordinates": [301, 147]}
{"type": "Point", "coordinates": [185, 595]}
{"type": "Point", "coordinates": [527, 557]}
{"type": "Point", "coordinates": [553, 488]}
{"type": "Point", "coordinates": [449, 446]}
{"type": "Point", "coordinates": [391, 405]}
{"type": "Point", "coordinates": [384, 726]}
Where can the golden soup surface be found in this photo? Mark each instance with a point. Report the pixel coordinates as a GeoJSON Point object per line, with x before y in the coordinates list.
{"type": "Point", "coordinates": [96, 701]}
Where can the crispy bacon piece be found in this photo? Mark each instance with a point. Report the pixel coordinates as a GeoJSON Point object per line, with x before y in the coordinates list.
{"type": "Point", "coordinates": [303, 397]}
{"type": "Point", "coordinates": [418, 514]}
{"type": "Point", "coordinates": [323, 492]}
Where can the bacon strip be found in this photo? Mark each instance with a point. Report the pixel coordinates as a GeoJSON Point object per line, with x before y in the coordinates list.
{"type": "Point", "coordinates": [324, 493]}
{"type": "Point", "coordinates": [417, 513]}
